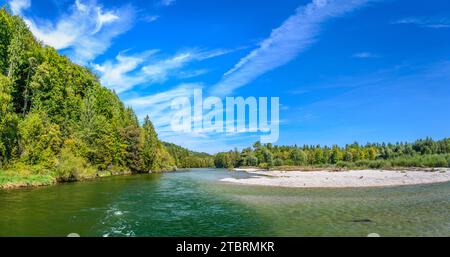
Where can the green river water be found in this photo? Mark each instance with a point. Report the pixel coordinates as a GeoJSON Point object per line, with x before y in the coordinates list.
{"type": "Point", "coordinates": [196, 203]}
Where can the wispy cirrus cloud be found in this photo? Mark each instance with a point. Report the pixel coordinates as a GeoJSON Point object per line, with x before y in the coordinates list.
{"type": "Point", "coordinates": [84, 32]}
{"type": "Point", "coordinates": [365, 55]}
{"type": "Point", "coordinates": [122, 73]}
{"type": "Point", "coordinates": [167, 2]}
{"type": "Point", "coordinates": [150, 18]}
{"type": "Point", "coordinates": [128, 70]}
{"type": "Point", "coordinates": [158, 105]}
{"type": "Point", "coordinates": [426, 22]}
{"type": "Point", "coordinates": [294, 36]}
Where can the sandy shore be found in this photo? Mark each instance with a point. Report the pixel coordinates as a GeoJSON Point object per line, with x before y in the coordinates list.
{"type": "Point", "coordinates": [342, 179]}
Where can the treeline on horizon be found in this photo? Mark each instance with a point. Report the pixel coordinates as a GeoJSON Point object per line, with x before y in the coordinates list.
{"type": "Point", "coordinates": [421, 153]}
{"type": "Point", "coordinates": [58, 123]}
{"type": "Point", "coordinates": [185, 158]}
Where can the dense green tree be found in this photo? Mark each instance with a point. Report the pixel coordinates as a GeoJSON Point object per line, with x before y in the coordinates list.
{"type": "Point", "coordinates": [278, 162]}
{"type": "Point", "coordinates": [23, 51]}
{"type": "Point", "coordinates": [251, 161]}
{"type": "Point", "coordinates": [299, 157]}
{"type": "Point", "coordinates": [40, 140]}
{"type": "Point", "coordinates": [336, 155]}
{"type": "Point", "coordinates": [224, 160]}
{"type": "Point", "coordinates": [131, 136]}
{"type": "Point", "coordinates": [8, 121]}
{"type": "Point", "coordinates": [150, 145]}
{"type": "Point", "coordinates": [5, 38]}
{"type": "Point", "coordinates": [154, 156]}
{"type": "Point", "coordinates": [348, 156]}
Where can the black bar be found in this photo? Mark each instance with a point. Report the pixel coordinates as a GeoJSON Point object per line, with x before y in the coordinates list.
{"type": "Point", "coordinates": [285, 246]}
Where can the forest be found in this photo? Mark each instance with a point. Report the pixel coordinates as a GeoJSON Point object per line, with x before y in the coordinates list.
{"type": "Point", "coordinates": [185, 158]}
{"type": "Point", "coordinates": [58, 123]}
{"type": "Point", "coordinates": [421, 153]}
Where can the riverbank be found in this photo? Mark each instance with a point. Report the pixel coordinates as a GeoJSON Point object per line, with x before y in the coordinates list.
{"type": "Point", "coordinates": [12, 182]}
{"type": "Point", "coordinates": [9, 181]}
{"type": "Point", "coordinates": [342, 179]}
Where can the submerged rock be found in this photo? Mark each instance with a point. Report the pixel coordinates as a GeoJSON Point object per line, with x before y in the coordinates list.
{"type": "Point", "coordinates": [362, 221]}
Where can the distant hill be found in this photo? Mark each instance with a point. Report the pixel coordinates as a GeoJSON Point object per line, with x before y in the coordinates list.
{"type": "Point", "coordinates": [185, 158]}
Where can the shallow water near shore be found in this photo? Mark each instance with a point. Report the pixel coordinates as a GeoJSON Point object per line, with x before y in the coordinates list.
{"type": "Point", "coordinates": [196, 203]}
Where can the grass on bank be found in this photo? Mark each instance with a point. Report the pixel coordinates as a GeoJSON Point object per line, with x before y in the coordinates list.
{"type": "Point", "coordinates": [8, 181]}
{"type": "Point", "coordinates": [67, 168]}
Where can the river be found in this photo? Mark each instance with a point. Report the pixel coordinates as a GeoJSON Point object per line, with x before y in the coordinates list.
{"type": "Point", "coordinates": [195, 203]}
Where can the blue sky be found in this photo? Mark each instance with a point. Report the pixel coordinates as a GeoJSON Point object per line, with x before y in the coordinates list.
{"type": "Point", "coordinates": [345, 70]}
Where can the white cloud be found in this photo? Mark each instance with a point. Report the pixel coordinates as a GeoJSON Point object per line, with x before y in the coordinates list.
{"type": "Point", "coordinates": [151, 18]}
{"type": "Point", "coordinates": [160, 70]}
{"type": "Point", "coordinates": [127, 71]}
{"type": "Point", "coordinates": [364, 55]}
{"type": "Point", "coordinates": [426, 22]}
{"type": "Point", "coordinates": [120, 74]}
{"type": "Point", "coordinates": [191, 73]}
{"type": "Point", "coordinates": [17, 6]}
{"type": "Point", "coordinates": [285, 42]}
{"type": "Point", "coordinates": [103, 19]}
{"type": "Point", "coordinates": [167, 2]}
{"type": "Point", "coordinates": [84, 32]}
{"type": "Point", "coordinates": [158, 106]}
